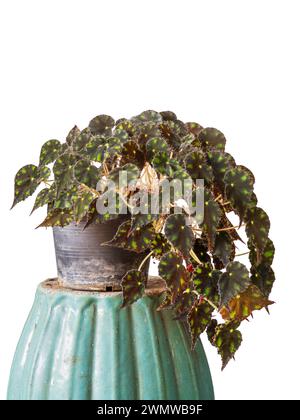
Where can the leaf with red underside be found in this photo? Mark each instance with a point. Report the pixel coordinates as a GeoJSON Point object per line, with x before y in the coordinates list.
{"type": "Point", "coordinates": [243, 304]}
{"type": "Point", "coordinates": [131, 153]}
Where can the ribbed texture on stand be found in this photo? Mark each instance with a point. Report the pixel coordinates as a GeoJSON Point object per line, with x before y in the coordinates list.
{"type": "Point", "coordinates": [81, 346]}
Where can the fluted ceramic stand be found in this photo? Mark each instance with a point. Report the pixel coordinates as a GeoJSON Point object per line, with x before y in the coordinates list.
{"type": "Point", "coordinates": [79, 345]}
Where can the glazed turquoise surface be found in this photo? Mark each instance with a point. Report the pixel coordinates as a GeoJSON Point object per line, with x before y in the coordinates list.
{"type": "Point", "coordinates": [82, 346]}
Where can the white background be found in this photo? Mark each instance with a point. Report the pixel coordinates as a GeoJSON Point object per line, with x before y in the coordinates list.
{"type": "Point", "coordinates": [229, 64]}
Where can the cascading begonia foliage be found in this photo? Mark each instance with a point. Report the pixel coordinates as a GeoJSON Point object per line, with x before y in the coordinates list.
{"type": "Point", "coordinates": [198, 261]}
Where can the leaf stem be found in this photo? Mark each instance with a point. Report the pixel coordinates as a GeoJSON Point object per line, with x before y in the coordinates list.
{"type": "Point", "coordinates": [144, 260]}
{"type": "Point", "coordinates": [105, 169]}
{"type": "Point", "coordinates": [47, 183]}
{"type": "Point", "coordinates": [243, 253]}
{"type": "Point", "coordinates": [194, 256]}
{"type": "Point", "coordinates": [206, 299]}
{"type": "Point", "coordinates": [211, 303]}
{"type": "Point", "coordinates": [124, 200]}
{"type": "Point", "coordinates": [229, 228]}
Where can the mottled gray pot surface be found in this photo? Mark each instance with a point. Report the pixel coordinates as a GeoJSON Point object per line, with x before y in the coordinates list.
{"type": "Point", "coordinates": [82, 263]}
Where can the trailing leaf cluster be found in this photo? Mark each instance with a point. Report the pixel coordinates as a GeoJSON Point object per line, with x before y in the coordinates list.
{"type": "Point", "coordinates": [197, 261]}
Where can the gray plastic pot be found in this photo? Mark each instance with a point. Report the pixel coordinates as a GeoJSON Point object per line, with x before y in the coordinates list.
{"type": "Point", "coordinates": [84, 264]}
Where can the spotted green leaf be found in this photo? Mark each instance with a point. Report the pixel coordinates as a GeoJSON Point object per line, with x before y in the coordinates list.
{"type": "Point", "coordinates": [263, 277]}
{"type": "Point", "coordinates": [138, 241]}
{"type": "Point", "coordinates": [233, 281]}
{"type": "Point", "coordinates": [86, 173]}
{"type": "Point", "coordinates": [102, 124]}
{"type": "Point", "coordinates": [126, 125]}
{"type": "Point", "coordinates": [145, 132]}
{"type": "Point", "coordinates": [82, 140]}
{"type": "Point", "coordinates": [182, 175]}
{"type": "Point", "coordinates": [220, 162]}
{"type": "Point", "coordinates": [114, 146]}
{"type": "Point", "coordinates": [81, 204]}
{"type": "Point", "coordinates": [122, 135]}
{"type": "Point", "coordinates": [148, 116]}
{"type": "Point", "coordinates": [239, 189]}
{"type": "Point", "coordinates": [198, 167]}
{"type": "Point", "coordinates": [133, 286]}
{"type": "Point", "coordinates": [265, 257]}
{"type": "Point", "coordinates": [43, 173]}
{"type": "Point", "coordinates": [96, 149]}
{"type": "Point", "coordinates": [224, 249]}
{"type": "Point", "coordinates": [172, 270]}
{"type": "Point", "coordinates": [242, 305]}
{"type": "Point", "coordinates": [212, 216]}
{"type": "Point", "coordinates": [58, 217]}
{"type": "Point", "coordinates": [65, 199]}
{"type": "Point", "coordinates": [63, 170]}
{"type": "Point", "coordinates": [110, 206]}
{"type": "Point", "coordinates": [227, 339]}
{"type": "Point", "coordinates": [198, 319]}
{"type": "Point", "coordinates": [164, 165]}
{"type": "Point", "coordinates": [160, 245]}
{"type": "Point", "coordinates": [139, 220]}
{"type": "Point", "coordinates": [184, 303]}
{"type": "Point", "coordinates": [125, 176]}
{"type": "Point", "coordinates": [26, 182]}
{"type": "Point", "coordinates": [155, 145]}
{"type": "Point", "coordinates": [168, 116]}
{"type": "Point", "coordinates": [171, 131]}
{"type": "Point", "coordinates": [50, 151]}
{"type": "Point", "coordinates": [257, 227]}
{"type": "Point", "coordinates": [194, 128]}
{"type": "Point", "coordinates": [72, 135]}
{"type": "Point", "coordinates": [211, 138]}
{"type": "Point", "coordinates": [45, 196]}
{"type": "Point", "coordinates": [205, 280]}
{"type": "Point", "coordinates": [179, 234]}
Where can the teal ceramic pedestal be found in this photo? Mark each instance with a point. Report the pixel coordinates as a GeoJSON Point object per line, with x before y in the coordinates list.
{"type": "Point", "coordinates": [81, 346]}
